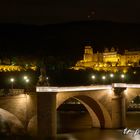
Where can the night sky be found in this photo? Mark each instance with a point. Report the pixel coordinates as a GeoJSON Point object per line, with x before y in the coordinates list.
{"type": "Point", "coordinates": [63, 27]}
{"type": "Point", "coordinates": [56, 11]}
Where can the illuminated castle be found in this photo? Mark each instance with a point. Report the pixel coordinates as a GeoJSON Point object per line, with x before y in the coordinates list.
{"type": "Point", "coordinates": [109, 60]}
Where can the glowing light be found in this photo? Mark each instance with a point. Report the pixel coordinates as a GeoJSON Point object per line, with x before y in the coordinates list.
{"type": "Point", "coordinates": [122, 76]}
{"type": "Point", "coordinates": [111, 75]}
{"type": "Point", "coordinates": [13, 67]}
{"type": "Point", "coordinates": [134, 72]}
{"type": "Point", "coordinates": [93, 77]}
{"type": "Point", "coordinates": [12, 80]}
{"type": "Point", "coordinates": [27, 80]}
{"type": "Point", "coordinates": [103, 77]}
{"type": "Point", "coordinates": [125, 71]}
{"type": "Point", "coordinates": [25, 77]}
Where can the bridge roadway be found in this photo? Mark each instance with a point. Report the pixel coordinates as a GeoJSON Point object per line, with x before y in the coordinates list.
{"type": "Point", "coordinates": [85, 88]}
{"type": "Point", "coordinates": [37, 113]}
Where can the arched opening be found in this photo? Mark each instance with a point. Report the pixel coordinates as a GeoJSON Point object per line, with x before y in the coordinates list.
{"type": "Point", "coordinates": [134, 104]}
{"type": "Point", "coordinates": [84, 104]}
{"type": "Point", "coordinates": [98, 115]}
{"type": "Point", "coordinates": [73, 115]}
{"type": "Point", "coordinates": [133, 112]}
{"type": "Point", "coordinates": [10, 124]}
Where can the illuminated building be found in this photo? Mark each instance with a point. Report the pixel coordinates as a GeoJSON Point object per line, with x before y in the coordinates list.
{"type": "Point", "coordinates": [8, 65]}
{"type": "Point", "coordinates": [109, 60]}
{"type": "Point", "coordinates": [6, 68]}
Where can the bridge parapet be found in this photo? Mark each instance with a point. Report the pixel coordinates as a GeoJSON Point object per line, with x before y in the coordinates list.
{"type": "Point", "coordinates": [68, 89]}
{"type": "Point", "coordinates": [86, 88]}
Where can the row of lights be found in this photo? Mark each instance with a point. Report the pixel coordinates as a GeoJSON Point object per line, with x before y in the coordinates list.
{"type": "Point", "coordinates": [12, 80]}
{"type": "Point", "coordinates": [26, 79]}
{"type": "Point", "coordinates": [111, 76]}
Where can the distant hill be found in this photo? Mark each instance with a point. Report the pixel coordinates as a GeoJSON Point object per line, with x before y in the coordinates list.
{"type": "Point", "coordinates": [67, 39]}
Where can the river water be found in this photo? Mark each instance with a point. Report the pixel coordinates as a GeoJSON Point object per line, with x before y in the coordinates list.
{"type": "Point", "coordinates": [70, 129]}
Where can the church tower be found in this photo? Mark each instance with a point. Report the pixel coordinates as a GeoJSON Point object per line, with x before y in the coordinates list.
{"type": "Point", "coordinates": [88, 54]}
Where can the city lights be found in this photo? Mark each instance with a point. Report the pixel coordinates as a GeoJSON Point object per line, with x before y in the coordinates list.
{"type": "Point", "coordinates": [93, 77]}
{"type": "Point", "coordinates": [111, 75]}
{"type": "Point", "coordinates": [122, 76]}
{"type": "Point", "coordinates": [12, 80]}
{"type": "Point", "coordinates": [109, 60]}
{"type": "Point", "coordinates": [103, 77]}
{"type": "Point", "coordinates": [27, 80]}
{"type": "Point", "coordinates": [25, 77]}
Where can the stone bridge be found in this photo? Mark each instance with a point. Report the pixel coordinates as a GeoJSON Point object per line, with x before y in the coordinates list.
{"type": "Point", "coordinates": [106, 105]}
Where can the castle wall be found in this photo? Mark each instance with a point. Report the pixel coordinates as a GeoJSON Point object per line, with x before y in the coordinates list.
{"type": "Point", "coordinates": [112, 57]}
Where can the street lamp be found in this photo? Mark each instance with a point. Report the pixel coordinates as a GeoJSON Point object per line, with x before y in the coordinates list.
{"type": "Point", "coordinates": [103, 78]}
{"type": "Point", "coordinates": [111, 76]}
{"type": "Point", "coordinates": [12, 80]}
{"type": "Point", "coordinates": [93, 77]}
{"type": "Point", "coordinates": [47, 80]}
{"type": "Point", "coordinates": [27, 80]}
{"type": "Point", "coordinates": [25, 77]}
{"type": "Point", "coordinates": [122, 77]}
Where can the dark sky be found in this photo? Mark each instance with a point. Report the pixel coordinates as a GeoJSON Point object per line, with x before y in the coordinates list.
{"type": "Point", "coordinates": [55, 11]}
{"type": "Point", "coordinates": [68, 37]}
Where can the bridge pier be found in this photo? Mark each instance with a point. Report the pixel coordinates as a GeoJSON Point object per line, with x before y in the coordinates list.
{"type": "Point", "coordinates": [46, 115]}
{"type": "Point", "coordinates": [118, 108]}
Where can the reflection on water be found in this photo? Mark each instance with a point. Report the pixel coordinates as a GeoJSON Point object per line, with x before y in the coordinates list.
{"type": "Point", "coordinates": [94, 134]}
{"type": "Point", "coordinates": [133, 121]}
{"type": "Point", "coordinates": [97, 134]}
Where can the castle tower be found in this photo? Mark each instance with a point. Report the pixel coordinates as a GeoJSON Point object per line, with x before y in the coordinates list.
{"type": "Point", "coordinates": [88, 54]}
{"type": "Point", "coordinates": [106, 50]}
{"type": "Point", "coordinates": [112, 49]}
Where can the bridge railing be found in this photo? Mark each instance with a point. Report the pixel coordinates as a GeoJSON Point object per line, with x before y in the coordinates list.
{"type": "Point", "coordinates": [6, 92]}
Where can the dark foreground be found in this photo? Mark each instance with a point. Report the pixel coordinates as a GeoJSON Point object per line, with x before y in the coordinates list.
{"type": "Point", "coordinates": [133, 122]}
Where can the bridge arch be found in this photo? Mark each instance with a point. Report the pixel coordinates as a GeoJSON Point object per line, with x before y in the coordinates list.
{"type": "Point", "coordinates": [94, 107]}
{"type": "Point", "coordinates": [9, 123]}
{"type": "Point", "coordinates": [130, 94]}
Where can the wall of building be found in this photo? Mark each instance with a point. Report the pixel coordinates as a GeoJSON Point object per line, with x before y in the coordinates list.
{"type": "Point", "coordinates": [109, 58]}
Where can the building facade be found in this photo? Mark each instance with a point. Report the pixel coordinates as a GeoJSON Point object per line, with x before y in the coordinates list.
{"type": "Point", "coordinates": [108, 60]}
